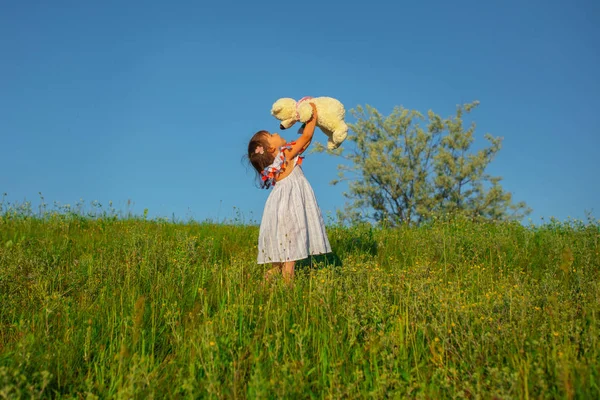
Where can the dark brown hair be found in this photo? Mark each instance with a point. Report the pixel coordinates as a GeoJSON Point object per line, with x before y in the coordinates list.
{"type": "Point", "coordinates": [260, 161]}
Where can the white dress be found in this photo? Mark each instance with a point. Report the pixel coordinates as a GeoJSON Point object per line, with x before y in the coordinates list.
{"type": "Point", "coordinates": [292, 226]}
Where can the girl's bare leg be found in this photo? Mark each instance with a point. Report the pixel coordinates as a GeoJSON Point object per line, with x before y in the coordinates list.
{"type": "Point", "coordinates": [288, 271]}
{"type": "Point", "coordinates": [277, 267]}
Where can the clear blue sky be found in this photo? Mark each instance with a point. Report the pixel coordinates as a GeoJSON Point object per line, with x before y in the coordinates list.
{"type": "Point", "coordinates": [155, 101]}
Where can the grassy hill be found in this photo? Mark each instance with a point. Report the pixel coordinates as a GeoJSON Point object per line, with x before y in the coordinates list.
{"type": "Point", "coordinates": [129, 308]}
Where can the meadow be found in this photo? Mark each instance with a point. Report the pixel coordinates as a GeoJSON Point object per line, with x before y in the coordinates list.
{"type": "Point", "coordinates": [107, 307]}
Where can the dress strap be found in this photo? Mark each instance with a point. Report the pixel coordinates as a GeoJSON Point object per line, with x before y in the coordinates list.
{"type": "Point", "coordinates": [269, 174]}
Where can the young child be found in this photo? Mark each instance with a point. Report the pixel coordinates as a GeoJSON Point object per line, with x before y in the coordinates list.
{"type": "Point", "coordinates": [292, 227]}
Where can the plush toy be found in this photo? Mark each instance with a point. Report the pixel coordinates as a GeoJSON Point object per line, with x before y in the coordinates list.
{"type": "Point", "coordinates": [330, 116]}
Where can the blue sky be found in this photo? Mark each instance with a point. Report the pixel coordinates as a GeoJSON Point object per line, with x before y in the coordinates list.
{"type": "Point", "coordinates": [154, 102]}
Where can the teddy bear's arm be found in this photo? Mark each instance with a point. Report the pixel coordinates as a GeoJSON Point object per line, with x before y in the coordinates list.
{"type": "Point", "coordinates": [306, 111]}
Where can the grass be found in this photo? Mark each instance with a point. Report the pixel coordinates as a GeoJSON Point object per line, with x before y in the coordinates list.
{"type": "Point", "coordinates": [105, 307]}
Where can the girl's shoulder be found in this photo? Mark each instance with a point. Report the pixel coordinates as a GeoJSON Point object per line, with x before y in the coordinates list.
{"type": "Point", "coordinates": [270, 174]}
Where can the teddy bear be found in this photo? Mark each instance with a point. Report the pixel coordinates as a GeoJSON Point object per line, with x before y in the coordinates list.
{"type": "Point", "coordinates": [330, 116]}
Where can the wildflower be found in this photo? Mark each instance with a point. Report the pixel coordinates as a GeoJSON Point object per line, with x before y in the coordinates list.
{"type": "Point", "coordinates": [555, 334]}
{"type": "Point", "coordinates": [212, 343]}
{"type": "Point", "coordinates": [437, 339]}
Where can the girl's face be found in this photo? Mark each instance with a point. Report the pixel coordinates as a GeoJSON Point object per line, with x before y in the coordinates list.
{"type": "Point", "coordinates": [275, 141]}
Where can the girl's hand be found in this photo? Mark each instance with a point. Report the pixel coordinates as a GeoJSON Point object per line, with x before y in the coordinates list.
{"type": "Point", "coordinates": [306, 137]}
{"type": "Point", "coordinates": [314, 114]}
{"type": "Point", "coordinates": [309, 126]}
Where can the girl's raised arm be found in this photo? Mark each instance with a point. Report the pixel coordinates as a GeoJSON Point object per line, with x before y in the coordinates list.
{"type": "Point", "coordinates": [307, 134]}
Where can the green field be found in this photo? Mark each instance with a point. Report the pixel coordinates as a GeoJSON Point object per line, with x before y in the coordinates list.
{"type": "Point", "coordinates": [134, 308]}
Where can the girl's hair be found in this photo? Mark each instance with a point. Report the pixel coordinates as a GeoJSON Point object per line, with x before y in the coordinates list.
{"type": "Point", "coordinates": [263, 157]}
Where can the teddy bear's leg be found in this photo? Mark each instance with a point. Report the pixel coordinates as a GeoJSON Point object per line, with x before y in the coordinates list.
{"type": "Point", "coordinates": [340, 133]}
{"type": "Point", "coordinates": [332, 144]}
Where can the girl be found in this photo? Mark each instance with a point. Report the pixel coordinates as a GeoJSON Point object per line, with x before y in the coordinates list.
{"type": "Point", "coordinates": [292, 227]}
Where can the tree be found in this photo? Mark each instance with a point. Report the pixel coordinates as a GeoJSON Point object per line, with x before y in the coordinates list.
{"type": "Point", "coordinates": [400, 172]}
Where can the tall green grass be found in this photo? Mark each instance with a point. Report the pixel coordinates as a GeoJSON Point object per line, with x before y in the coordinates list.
{"type": "Point", "coordinates": [129, 308]}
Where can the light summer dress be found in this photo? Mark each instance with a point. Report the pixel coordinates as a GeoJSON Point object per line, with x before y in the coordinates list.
{"type": "Point", "coordinates": [292, 226]}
